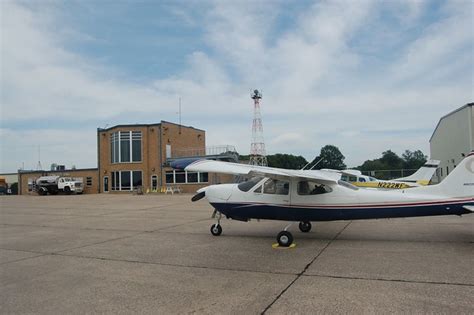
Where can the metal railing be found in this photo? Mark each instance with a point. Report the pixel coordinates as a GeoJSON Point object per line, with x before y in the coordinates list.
{"type": "Point", "coordinates": [212, 150]}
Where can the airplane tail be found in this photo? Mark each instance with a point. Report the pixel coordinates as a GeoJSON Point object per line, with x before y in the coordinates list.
{"type": "Point", "coordinates": [423, 175]}
{"type": "Point", "coordinates": [460, 182]}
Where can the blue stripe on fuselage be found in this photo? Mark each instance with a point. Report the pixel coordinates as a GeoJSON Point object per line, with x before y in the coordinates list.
{"type": "Point", "coordinates": [286, 213]}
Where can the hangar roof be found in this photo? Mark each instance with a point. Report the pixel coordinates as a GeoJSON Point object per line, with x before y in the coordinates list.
{"type": "Point", "coordinates": [447, 115]}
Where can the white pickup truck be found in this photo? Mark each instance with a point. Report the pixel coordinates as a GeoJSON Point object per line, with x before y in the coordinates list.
{"type": "Point", "coordinates": [55, 184]}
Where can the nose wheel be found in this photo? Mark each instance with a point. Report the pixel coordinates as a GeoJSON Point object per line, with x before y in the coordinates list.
{"type": "Point", "coordinates": [216, 229]}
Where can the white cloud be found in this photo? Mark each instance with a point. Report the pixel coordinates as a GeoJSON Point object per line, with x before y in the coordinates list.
{"type": "Point", "coordinates": [316, 85]}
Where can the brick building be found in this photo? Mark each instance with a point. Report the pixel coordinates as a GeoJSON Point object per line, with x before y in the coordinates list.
{"type": "Point", "coordinates": [133, 156]}
{"type": "Point", "coordinates": [130, 156]}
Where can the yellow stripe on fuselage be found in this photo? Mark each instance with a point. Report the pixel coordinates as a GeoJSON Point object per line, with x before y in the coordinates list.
{"type": "Point", "coordinates": [384, 185]}
{"type": "Point", "coordinates": [423, 182]}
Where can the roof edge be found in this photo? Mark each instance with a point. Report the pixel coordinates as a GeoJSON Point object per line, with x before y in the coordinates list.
{"type": "Point", "coordinates": [447, 115]}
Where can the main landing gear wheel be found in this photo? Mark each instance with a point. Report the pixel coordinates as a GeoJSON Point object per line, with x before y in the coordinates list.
{"type": "Point", "coordinates": [216, 229]}
{"type": "Point", "coordinates": [305, 226]}
{"type": "Point", "coordinates": [284, 238]}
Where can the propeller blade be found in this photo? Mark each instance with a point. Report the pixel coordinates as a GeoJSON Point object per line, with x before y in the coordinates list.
{"type": "Point", "coordinates": [198, 196]}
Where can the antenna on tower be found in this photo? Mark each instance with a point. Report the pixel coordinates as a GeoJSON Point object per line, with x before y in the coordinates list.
{"type": "Point", "coordinates": [258, 155]}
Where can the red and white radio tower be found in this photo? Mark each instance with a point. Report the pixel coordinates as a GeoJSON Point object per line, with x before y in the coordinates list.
{"type": "Point", "coordinates": [258, 156]}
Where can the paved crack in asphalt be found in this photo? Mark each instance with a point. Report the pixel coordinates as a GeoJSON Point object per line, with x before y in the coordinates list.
{"type": "Point", "coordinates": [299, 275]}
{"type": "Point", "coordinates": [392, 280]}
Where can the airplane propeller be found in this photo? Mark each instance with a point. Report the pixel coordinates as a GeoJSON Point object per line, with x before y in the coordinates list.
{"type": "Point", "coordinates": [198, 196]}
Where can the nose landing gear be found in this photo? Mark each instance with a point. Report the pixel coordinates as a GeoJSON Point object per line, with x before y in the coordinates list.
{"type": "Point", "coordinates": [216, 229]}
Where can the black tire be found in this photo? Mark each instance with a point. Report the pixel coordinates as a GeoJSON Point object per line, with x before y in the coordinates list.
{"type": "Point", "coordinates": [42, 191]}
{"type": "Point", "coordinates": [216, 229]}
{"type": "Point", "coordinates": [67, 190]}
{"type": "Point", "coordinates": [284, 238]}
{"type": "Point", "coordinates": [305, 226]}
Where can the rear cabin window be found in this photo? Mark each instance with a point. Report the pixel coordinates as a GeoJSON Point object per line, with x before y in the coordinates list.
{"type": "Point", "coordinates": [312, 188]}
{"type": "Point", "coordinates": [344, 178]}
{"type": "Point", "coordinates": [352, 178]}
{"type": "Point", "coordinates": [276, 187]}
{"type": "Point", "coordinates": [246, 186]}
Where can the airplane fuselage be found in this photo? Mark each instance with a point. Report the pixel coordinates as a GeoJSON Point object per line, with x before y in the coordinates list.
{"type": "Point", "coordinates": [341, 203]}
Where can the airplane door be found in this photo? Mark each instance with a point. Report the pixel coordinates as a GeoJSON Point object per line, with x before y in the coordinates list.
{"type": "Point", "coordinates": [276, 191]}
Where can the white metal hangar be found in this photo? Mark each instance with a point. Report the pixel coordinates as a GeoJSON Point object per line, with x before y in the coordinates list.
{"type": "Point", "coordinates": [452, 139]}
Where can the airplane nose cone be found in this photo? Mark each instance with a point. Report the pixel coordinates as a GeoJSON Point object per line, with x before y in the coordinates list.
{"type": "Point", "coordinates": [219, 193]}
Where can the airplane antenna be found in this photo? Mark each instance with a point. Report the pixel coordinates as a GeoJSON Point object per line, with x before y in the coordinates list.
{"type": "Point", "coordinates": [316, 163]}
{"type": "Point", "coordinates": [258, 155]}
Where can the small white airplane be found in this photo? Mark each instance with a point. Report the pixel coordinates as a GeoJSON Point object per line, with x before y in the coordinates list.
{"type": "Point", "coordinates": [302, 196]}
{"type": "Point", "coordinates": [421, 177]}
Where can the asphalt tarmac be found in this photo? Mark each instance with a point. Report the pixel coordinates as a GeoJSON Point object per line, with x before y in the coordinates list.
{"type": "Point", "coordinates": [155, 254]}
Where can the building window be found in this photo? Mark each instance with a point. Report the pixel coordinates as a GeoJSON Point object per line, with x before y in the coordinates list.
{"type": "Point", "coordinates": [126, 146]}
{"type": "Point", "coordinates": [136, 146]}
{"type": "Point", "coordinates": [89, 181]}
{"type": "Point", "coordinates": [125, 183]}
{"type": "Point", "coordinates": [192, 177]}
{"type": "Point", "coordinates": [180, 177]}
{"type": "Point", "coordinates": [184, 177]}
{"type": "Point", "coordinates": [137, 179]}
{"type": "Point", "coordinates": [126, 180]}
{"type": "Point", "coordinates": [203, 177]}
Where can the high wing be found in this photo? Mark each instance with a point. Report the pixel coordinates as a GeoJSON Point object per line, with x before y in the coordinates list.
{"type": "Point", "coordinates": [255, 170]}
{"type": "Point", "coordinates": [343, 172]}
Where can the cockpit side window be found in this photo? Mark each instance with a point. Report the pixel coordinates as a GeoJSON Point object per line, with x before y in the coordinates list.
{"type": "Point", "coordinates": [312, 188]}
{"type": "Point", "coordinates": [362, 179]}
{"type": "Point", "coordinates": [276, 187]}
{"type": "Point", "coordinates": [246, 186]}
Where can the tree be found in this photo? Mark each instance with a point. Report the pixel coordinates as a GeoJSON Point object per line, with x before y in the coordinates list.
{"type": "Point", "coordinates": [330, 157]}
{"type": "Point", "coordinates": [287, 161]}
{"type": "Point", "coordinates": [391, 160]}
{"type": "Point", "coordinates": [413, 160]}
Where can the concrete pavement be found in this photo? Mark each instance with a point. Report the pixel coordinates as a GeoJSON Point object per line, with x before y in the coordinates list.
{"type": "Point", "coordinates": [155, 254]}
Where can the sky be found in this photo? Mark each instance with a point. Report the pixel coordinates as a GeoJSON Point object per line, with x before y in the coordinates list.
{"type": "Point", "coordinates": [366, 76]}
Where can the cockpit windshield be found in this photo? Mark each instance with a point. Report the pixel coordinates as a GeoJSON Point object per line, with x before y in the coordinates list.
{"type": "Point", "coordinates": [246, 186]}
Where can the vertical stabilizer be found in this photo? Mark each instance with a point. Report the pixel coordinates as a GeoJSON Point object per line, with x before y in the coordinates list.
{"type": "Point", "coordinates": [423, 175]}
{"type": "Point", "coordinates": [460, 182]}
